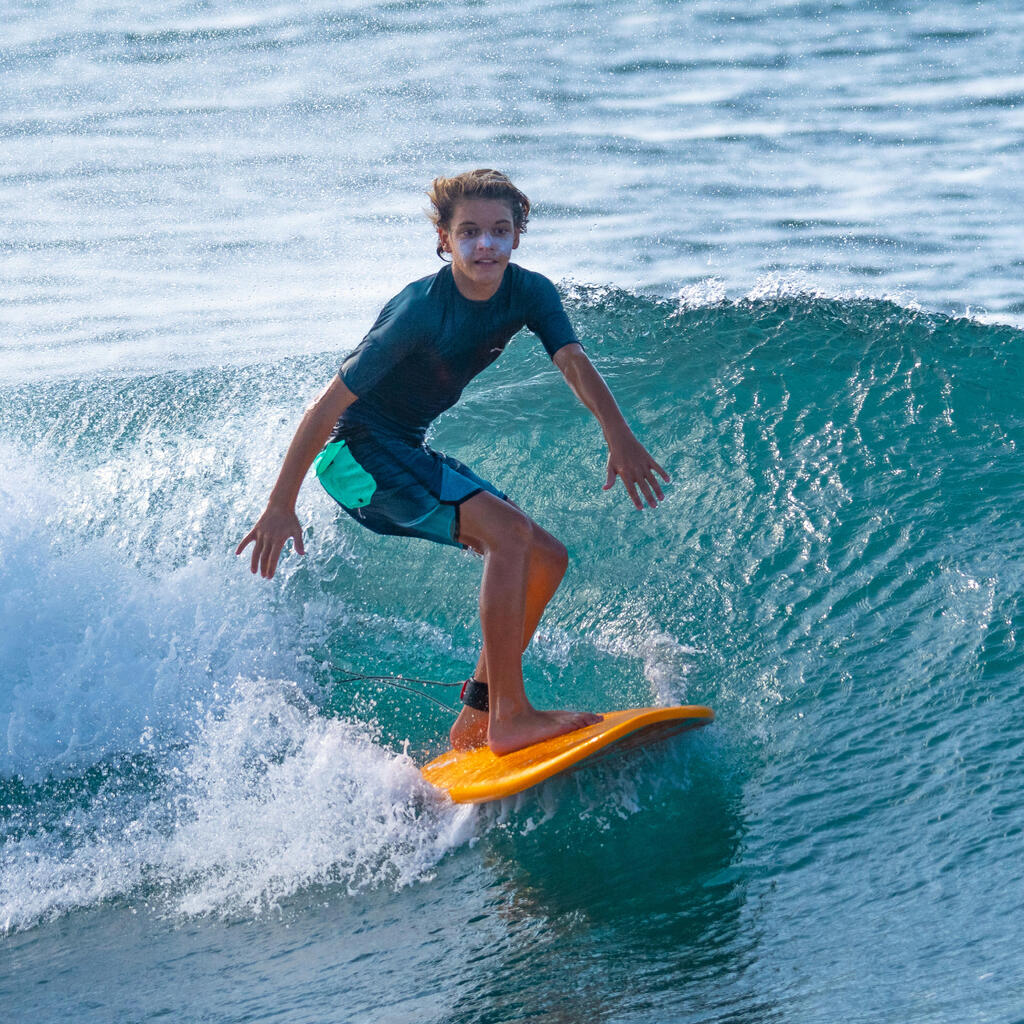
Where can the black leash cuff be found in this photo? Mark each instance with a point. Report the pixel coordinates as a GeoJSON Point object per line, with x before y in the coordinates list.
{"type": "Point", "coordinates": [475, 695]}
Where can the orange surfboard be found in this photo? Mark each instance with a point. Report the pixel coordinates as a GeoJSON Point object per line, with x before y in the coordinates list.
{"type": "Point", "coordinates": [476, 776]}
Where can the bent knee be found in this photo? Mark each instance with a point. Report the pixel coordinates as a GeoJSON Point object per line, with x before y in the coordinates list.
{"type": "Point", "coordinates": [552, 550]}
{"type": "Point", "coordinates": [513, 532]}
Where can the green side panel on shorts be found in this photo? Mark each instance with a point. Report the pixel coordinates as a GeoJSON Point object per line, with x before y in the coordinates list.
{"type": "Point", "coordinates": [342, 477]}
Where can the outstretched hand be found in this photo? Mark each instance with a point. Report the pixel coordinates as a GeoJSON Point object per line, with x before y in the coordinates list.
{"type": "Point", "coordinates": [632, 464]}
{"type": "Point", "coordinates": [268, 538]}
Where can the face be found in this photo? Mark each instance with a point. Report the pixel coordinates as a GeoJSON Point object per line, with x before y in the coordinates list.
{"type": "Point", "coordinates": [480, 239]}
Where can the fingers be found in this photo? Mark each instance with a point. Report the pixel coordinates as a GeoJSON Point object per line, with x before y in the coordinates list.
{"type": "Point", "coordinates": [636, 469]}
{"type": "Point", "coordinates": [254, 538]}
{"type": "Point", "coordinates": [632, 492]}
{"type": "Point", "coordinates": [628, 482]}
{"type": "Point", "coordinates": [267, 548]}
{"type": "Point", "coordinates": [270, 562]}
{"type": "Point", "coordinates": [643, 486]}
{"type": "Point", "coordinates": [640, 486]}
{"type": "Point", "coordinates": [655, 486]}
{"type": "Point", "coordinates": [270, 552]}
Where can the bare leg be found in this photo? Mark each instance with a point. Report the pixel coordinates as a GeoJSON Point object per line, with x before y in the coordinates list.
{"type": "Point", "coordinates": [548, 562]}
{"type": "Point", "coordinates": [522, 568]}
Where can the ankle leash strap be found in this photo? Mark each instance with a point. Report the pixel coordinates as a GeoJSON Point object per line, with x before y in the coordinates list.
{"type": "Point", "coordinates": [475, 695]}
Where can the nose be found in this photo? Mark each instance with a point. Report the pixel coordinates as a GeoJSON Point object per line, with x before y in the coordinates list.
{"type": "Point", "coordinates": [485, 241]}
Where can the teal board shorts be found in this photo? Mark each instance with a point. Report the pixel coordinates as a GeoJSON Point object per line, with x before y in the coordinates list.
{"type": "Point", "coordinates": [396, 488]}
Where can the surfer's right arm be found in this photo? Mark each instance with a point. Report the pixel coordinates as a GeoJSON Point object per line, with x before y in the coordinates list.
{"type": "Point", "coordinates": [279, 521]}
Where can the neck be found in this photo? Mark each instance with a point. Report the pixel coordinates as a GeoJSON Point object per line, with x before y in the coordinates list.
{"type": "Point", "coordinates": [470, 289]}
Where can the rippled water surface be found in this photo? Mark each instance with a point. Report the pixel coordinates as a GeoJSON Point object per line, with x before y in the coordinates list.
{"type": "Point", "coordinates": [790, 241]}
{"type": "Point", "coordinates": [202, 181]}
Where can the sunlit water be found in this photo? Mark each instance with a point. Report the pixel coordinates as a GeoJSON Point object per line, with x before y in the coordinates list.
{"type": "Point", "coordinates": [790, 241]}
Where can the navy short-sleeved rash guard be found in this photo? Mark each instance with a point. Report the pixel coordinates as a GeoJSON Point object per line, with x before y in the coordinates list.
{"type": "Point", "coordinates": [430, 341]}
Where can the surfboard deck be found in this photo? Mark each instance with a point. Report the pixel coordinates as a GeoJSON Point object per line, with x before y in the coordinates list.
{"type": "Point", "coordinates": [477, 776]}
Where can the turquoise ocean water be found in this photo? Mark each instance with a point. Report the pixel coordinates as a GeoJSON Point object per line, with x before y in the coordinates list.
{"type": "Point", "coordinates": [790, 239]}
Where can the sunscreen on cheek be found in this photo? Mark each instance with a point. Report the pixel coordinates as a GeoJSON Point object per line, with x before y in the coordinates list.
{"type": "Point", "coordinates": [486, 241]}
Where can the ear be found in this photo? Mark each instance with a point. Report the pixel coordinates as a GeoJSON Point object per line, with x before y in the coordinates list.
{"type": "Point", "coordinates": [444, 239]}
{"type": "Point", "coordinates": [515, 238]}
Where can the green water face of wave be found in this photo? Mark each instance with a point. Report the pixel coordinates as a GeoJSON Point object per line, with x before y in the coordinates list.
{"type": "Point", "coordinates": [836, 569]}
{"type": "Point", "coordinates": [845, 485]}
{"type": "Point", "coordinates": [841, 471]}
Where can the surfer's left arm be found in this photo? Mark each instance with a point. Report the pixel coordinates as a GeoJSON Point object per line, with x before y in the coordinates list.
{"type": "Point", "coordinates": [628, 459]}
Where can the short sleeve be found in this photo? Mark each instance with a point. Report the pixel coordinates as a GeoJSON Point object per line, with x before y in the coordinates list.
{"type": "Point", "coordinates": [389, 340]}
{"type": "Point", "coordinates": [546, 316]}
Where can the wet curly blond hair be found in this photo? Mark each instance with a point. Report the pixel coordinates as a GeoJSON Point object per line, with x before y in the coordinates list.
{"type": "Point", "coordinates": [446, 193]}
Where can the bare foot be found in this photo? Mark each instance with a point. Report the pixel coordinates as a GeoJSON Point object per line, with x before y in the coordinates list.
{"type": "Point", "coordinates": [509, 734]}
{"type": "Point", "coordinates": [469, 729]}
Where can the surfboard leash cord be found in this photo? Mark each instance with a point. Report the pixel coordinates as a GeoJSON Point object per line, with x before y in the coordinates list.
{"type": "Point", "coordinates": [400, 682]}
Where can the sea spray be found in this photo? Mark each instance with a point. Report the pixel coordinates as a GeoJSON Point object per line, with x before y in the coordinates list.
{"type": "Point", "coordinates": [267, 799]}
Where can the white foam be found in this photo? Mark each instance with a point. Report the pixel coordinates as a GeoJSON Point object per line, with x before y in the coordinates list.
{"type": "Point", "coordinates": [95, 651]}
{"type": "Point", "coordinates": [281, 797]}
{"type": "Point", "coordinates": [711, 291]}
{"type": "Point", "coordinates": [803, 285]}
{"type": "Point", "coordinates": [269, 798]}
{"type": "Point", "coordinates": [708, 292]}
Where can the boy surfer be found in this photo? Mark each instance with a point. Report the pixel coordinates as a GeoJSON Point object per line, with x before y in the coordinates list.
{"type": "Point", "coordinates": [369, 426]}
